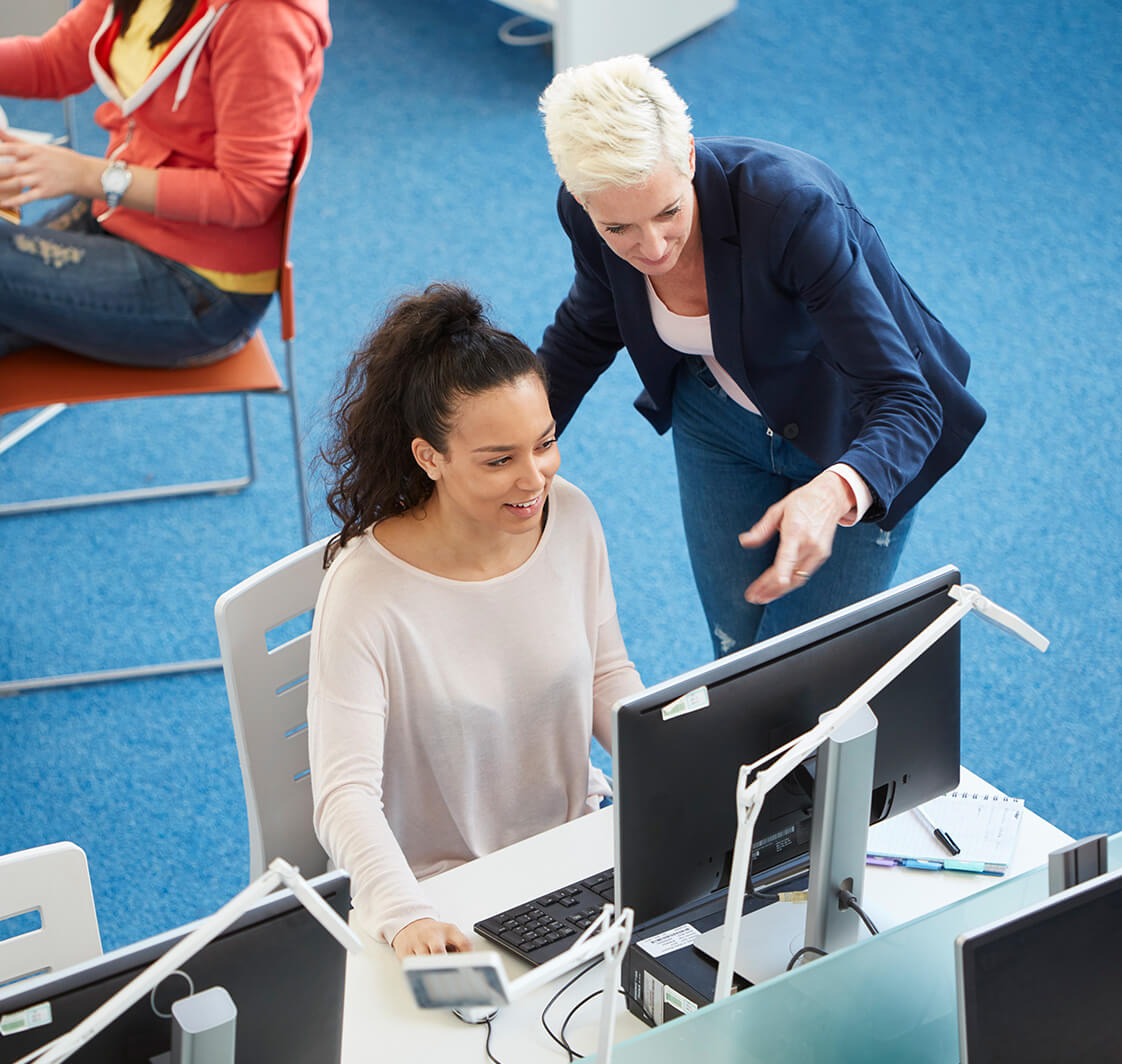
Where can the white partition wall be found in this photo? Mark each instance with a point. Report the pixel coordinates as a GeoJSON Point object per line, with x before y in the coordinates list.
{"type": "Point", "coordinates": [587, 30]}
{"type": "Point", "coordinates": [30, 18]}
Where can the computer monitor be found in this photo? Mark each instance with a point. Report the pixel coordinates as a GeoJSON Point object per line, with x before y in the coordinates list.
{"type": "Point", "coordinates": [678, 746]}
{"type": "Point", "coordinates": [284, 971]}
{"type": "Point", "coordinates": [1043, 985]}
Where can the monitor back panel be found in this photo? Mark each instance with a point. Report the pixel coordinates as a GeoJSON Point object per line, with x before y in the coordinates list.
{"type": "Point", "coordinates": [675, 779]}
{"type": "Point", "coordinates": [283, 970]}
{"type": "Point", "coordinates": [1044, 985]}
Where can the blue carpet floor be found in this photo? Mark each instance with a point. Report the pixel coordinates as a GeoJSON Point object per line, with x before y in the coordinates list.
{"type": "Point", "coordinates": [983, 140]}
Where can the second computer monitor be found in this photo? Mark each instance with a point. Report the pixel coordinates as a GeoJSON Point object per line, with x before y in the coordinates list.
{"type": "Point", "coordinates": [283, 970]}
{"type": "Point", "coordinates": [678, 746]}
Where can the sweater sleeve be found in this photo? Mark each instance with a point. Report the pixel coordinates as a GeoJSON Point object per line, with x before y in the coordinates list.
{"type": "Point", "coordinates": [57, 63]}
{"type": "Point", "coordinates": [347, 713]}
{"type": "Point", "coordinates": [614, 675]}
{"type": "Point", "coordinates": [259, 70]}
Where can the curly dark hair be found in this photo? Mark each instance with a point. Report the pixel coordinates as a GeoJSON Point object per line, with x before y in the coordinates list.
{"type": "Point", "coordinates": [430, 351]}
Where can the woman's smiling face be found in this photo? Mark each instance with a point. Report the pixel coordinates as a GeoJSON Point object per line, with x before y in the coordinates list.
{"type": "Point", "coordinates": [647, 225]}
{"type": "Point", "coordinates": [499, 460]}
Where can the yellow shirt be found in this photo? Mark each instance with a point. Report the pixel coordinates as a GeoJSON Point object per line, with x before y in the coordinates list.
{"type": "Point", "coordinates": [131, 60]}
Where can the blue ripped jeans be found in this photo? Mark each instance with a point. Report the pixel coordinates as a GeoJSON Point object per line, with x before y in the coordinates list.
{"type": "Point", "coordinates": [65, 281]}
{"type": "Point", "coordinates": [730, 470]}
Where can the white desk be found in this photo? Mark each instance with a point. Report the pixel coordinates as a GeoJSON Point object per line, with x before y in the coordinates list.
{"type": "Point", "coordinates": [382, 1024]}
{"type": "Point", "coordinates": [587, 30]}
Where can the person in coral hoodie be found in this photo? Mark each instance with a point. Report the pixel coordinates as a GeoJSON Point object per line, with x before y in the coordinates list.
{"type": "Point", "coordinates": [166, 250]}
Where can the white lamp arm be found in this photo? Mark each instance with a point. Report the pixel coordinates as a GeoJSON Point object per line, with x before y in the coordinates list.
{"type": "Point", "coordinates": [279, 872]}
{"type": "Point", "coordinates": [750, 795]}
{"type": "Point", "coordinates": [605, 937]}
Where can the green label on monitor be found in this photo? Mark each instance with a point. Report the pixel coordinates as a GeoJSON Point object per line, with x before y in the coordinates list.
{"type": "Point", "coordinates": [27, 1019]}
{"type": "Point", "coordinates": [698, 698]}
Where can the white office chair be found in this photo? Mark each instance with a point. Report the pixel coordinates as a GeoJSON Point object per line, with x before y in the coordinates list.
{"type": "Point", "coordinates": [55, 881]}
{"type": "Point", "coordinates": [268, 691]}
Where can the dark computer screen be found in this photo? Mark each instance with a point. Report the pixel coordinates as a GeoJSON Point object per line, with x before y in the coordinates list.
{"type": "Point", "coordinates": [283, 969]}
{"type": "Point", "coordinates": [1043, 985]}
{"type": "Point", "coordinates": [676, 775]}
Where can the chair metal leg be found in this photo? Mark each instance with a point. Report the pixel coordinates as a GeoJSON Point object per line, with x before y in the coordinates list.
{"type": "Point", "coordinates": [134, 672]}
{"type": "Point", "coordinates": [226, 486]}
{"type": "Point", "coordinates": [39, 683]}
{"type": "Point", "coordinates": [36, 421]}
{"type": "Point", "coordinates": [297, 444]}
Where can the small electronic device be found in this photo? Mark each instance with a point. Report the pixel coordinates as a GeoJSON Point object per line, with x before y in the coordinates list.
{"type": "Point", "coordinates": [473, 985]}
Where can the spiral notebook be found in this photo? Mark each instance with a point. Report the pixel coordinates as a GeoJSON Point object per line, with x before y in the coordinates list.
{"type": "Point", "coordinates": [983, 825]}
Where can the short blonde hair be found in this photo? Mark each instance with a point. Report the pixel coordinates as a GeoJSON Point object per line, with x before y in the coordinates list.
{"type": "Point", "coordinates": [612, 123]}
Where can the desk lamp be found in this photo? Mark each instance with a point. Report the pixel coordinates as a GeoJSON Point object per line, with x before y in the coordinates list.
{"type": "Point", "coordinates": [853, 720]}
{"type": "Point", "coordinates": [279, 873]}
{"type": "Point", "coordinates": [474, 984]}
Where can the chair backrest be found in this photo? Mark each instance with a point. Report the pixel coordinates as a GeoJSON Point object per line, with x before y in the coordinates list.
{"type": "Point", "coordinates": [268, 690]}
{"type": "Point", "coordinates": [53, 881]}
{"type": "Point", "coordinates": [300, 160]}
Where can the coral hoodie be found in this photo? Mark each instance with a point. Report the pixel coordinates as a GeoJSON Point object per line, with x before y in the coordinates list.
{"type": "Point", "coordinates": [219, 117]}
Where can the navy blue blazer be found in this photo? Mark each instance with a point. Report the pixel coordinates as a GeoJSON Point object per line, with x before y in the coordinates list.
{"type": "Point", "coordinates": [808, 315]}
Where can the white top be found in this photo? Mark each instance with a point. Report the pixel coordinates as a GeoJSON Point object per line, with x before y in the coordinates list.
{"type": "Point", "coordinates": [448, 718]}
{"type": "Point", "coordinates": [692, 335]}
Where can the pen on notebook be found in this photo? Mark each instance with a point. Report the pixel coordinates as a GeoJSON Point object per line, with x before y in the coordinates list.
{"type": "Point", "coordinates": [947, 842]}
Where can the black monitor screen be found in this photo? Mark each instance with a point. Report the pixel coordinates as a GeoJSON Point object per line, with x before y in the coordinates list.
{"type": "Point", "coordinates": [676, 770]}
{"type": "Point", "coordinates": [282, 968]}
{"type": "Point", "coordinates": [1043, 986]}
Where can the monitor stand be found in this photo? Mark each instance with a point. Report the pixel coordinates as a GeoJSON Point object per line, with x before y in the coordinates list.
{"type": "Point", "coordinates": [770, 937]}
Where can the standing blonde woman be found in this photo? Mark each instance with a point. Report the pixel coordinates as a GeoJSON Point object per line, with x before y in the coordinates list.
{"type": "Point", "coordinates": [810, 391]}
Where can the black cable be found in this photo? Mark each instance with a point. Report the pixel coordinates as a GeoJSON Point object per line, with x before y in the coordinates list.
{"type": "Point", "coordinates": [847, 900]}
{"type": "Point", "coordinates": [751, 892]}
{"type": "Point", "coordinates": [487, 1045]}
{"type": "Point", "coordinates": [572, 1013]}
{"type": "Point", "coordinates": [806, 949]}
{"type": "Point", "coordinates": [549, 1004]}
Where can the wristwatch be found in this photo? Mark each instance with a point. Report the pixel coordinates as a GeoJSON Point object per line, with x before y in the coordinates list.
{"type": "Point", "coordinates": [115, 181]}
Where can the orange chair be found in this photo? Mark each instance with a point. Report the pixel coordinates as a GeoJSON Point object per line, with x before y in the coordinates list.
{"type": "Point", "coordinates": [52, 379]}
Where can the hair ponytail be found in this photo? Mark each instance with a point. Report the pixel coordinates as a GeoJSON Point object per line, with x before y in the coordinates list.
{"type": "Point", "coordinates": [430, 351]}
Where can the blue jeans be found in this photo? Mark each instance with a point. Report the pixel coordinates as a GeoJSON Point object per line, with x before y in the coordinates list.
{"type": "Point", "coordinates": [730, 470]}
{"type": "Point", "coordinates": [65, 281]}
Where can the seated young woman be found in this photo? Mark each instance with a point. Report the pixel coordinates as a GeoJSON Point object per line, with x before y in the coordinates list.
{"type": "Point", "coordinates": [465, 647]}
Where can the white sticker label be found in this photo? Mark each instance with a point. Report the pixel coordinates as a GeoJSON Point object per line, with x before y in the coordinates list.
{"type": "Point", "coordinates": [27, 1020]}
{"type": "Point", "coordinates": [696, 699]}
{"type": "Point", "coordinates": [668, 941]}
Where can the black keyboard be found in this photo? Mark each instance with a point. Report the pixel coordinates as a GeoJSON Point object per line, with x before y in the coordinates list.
{"type": "Point", "coordinates": [541, 929]}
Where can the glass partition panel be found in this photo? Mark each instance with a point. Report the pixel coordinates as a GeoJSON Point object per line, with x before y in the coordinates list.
{"type": "Point", "coordinates": [891, 997]}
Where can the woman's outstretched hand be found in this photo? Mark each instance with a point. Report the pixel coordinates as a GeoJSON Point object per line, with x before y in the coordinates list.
{"type": "Point", "coordinates": [806, 521]}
